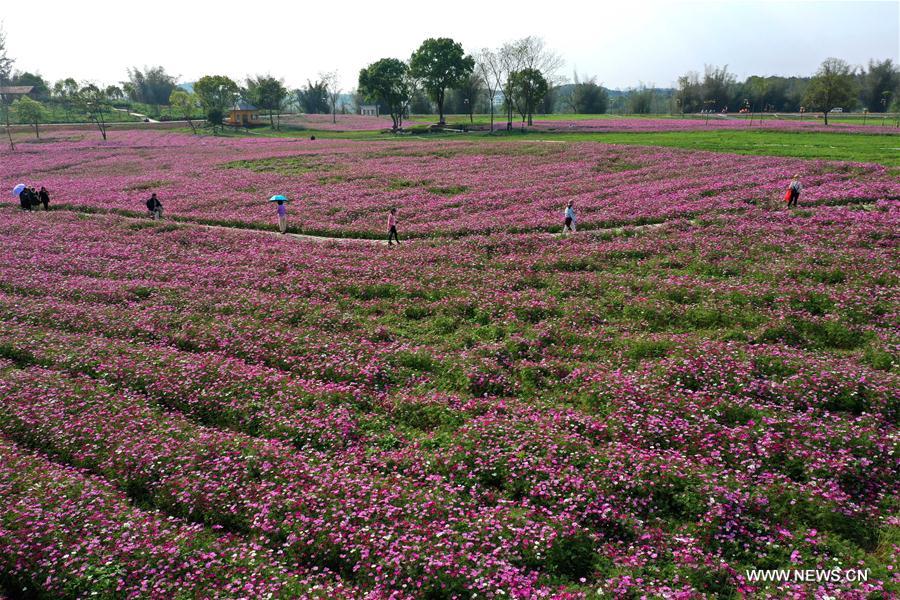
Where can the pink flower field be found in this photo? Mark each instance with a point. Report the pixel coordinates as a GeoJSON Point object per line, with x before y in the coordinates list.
{"type": "Point", "coordinates": [485, 411]}
{"type": "Point", "coordinates": [343, 188]}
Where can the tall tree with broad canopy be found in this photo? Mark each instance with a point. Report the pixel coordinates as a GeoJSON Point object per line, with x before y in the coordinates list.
{"type": "Point", "coordinates": [387, 83]}
{"type": "Point", "coordinates": [216, 93]}
{"type": "Point", "coordinates": [267, 93]}
{"type": "Point", "coordinates": [832, 86]}
{"type": "Point", "coordinates": [528, 87]}
{"type": "Point", "coordinates": [440, 64]}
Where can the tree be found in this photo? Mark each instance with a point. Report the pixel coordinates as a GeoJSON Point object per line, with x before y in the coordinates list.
{"type": "Point", "coordinates": [185, 103]}
{"type": "Point", "coordinates": [152, 86]}
{"type": "Point", "coordinates": [689, 94]}
{"type": "Point", "coordinates": [440, 63]}
{"type": "Point", "coordinates": [387, 82]}
{"type": "Point", "coordinates": [30, 111]}
{"type": "Point", "coordinates": [880, 84]}
{"type": "Point", "coordinates": [491, 67]}
{"type": "Point", "coordinates": [588, 97]}
{"type": "Point", "coordinates": [469, 89]}
{"type": "Point", "coordinates": [114, 92]}
{"type": "Point", "coordinates": [92, 101]}
{"type": "Point", "coordinates": [640, 99]}
{"type": "Point", "coordinates": [719, 87]}
{"type": "Point", "coordinates": [267, 93]}
{"type": "Point", "coordinates": [313, 98]}
{"type": "Point", "coordinates": [216, 93]}
{"type": "Point", "coordinates": [527, 53]}
{"type": "Point", "coordinates": [332, 91]}
{"type": "Point", "coordinates": [527, 87]}
{"type": "Point", "coordinates": [40, 91]}
{"type": "Point", "coordinates": [831, 87]}
{"type": "Point", "coordinates": [6, 65]}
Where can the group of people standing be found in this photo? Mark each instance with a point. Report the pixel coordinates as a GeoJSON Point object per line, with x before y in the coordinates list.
{"type": "Point", "coordinates": [29, 199]}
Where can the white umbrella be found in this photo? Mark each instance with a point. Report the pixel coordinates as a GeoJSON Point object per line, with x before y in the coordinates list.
{"type": "Point", "coordinates": [18, 189]}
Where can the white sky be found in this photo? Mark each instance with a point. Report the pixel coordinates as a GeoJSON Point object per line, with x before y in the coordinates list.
{"type": "Point", "coordinates": [620, 42]}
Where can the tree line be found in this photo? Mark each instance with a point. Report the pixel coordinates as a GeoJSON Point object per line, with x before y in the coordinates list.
{"type": "Point", "coordinates": [836, 84]}
{"type": "Point", "coordinates": [516, 79]}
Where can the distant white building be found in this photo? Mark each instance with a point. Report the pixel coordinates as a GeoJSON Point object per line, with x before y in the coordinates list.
{"type": "Point", "coordinates": [369, 110]}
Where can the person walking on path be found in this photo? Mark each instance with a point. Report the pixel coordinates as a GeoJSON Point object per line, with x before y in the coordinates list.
{"type": "Point", "coordinates": [44, 197]}
{"type": "Point", "coordinates": [392, 227]}
{"type": "Point", "coordinates": [793, 191]}
{"type": "Point", "coordinates": [569, 219]}
{"type": "Point", "coordinates": [282, 217]}
{"type": "Point", "coordinates": [155, 207]}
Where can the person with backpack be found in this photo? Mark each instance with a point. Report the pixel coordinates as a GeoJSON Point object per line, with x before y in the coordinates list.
{"type": "Point", "coordinates": [154, 206]}
{"type": "Point", "coordinates": [793, 191]}
{"type": "Point", "coordinates": [44, 197]}
{"type": "Point", "coordinates": [569, 218]}
{"type": "Point", "coordinates": [392, 227]}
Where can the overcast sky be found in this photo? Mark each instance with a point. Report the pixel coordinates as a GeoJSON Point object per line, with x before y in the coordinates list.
{"type": "Point", "coordinates": [621, 43]}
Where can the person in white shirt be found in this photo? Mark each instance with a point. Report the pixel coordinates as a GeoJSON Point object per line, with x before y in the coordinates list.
{"type": "Point", "coordinates": [569, 218]}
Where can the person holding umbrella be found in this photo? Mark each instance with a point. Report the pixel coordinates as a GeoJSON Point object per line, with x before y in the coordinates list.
{"type": "Point", "coordinates": [21, 190]}
{"type": "Point", "coordinates": [282, 212]}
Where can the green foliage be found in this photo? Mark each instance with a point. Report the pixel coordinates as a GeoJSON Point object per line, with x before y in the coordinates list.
{"type": "Point", "coordinates": [880, 85]}
{"type": "Point", "coordinates": [30, 111]}
{"type": "Point", "coordinates": [833, 86]}
{"type": "Point", "coordinates": [216, 92]}
{"type": "Point", "coordinates": [527, 88]}
{"type": "Point", "coordinates": [588, 97]}
{"type": "Point", "coordinates": [312, 99]}
{"type": "Point", "coordinates": [440, 63]}
{"type": "Point", "coordinates": [387, 82]}
{"type": "Point", "coordinates": [186, 103]}
{"type": "Point", "coordinates": [151, 86]}
{"type": "Point", "coordinates": [267, 93]}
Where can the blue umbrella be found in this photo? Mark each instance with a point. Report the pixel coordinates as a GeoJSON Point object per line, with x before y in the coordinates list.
{"type": "Point", "coordinates": [278, 197]}
{"type": "Point", "coordinates": [18, 189]}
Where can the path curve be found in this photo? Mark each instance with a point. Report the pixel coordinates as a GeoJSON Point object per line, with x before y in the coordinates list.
{"type": "Point", "coordinates": [618, 229]}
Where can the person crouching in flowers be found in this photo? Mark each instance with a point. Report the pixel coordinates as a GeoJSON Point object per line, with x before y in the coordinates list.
{"type": "Point", "coordinates": [282, 217]}
{"type": "Point", "coordinates": [392, 227]}
{"type": "Point", "coordinates": [569, 218]}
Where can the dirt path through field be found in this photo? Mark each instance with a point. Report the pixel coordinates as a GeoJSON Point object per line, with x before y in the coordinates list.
{"type": "Point", "coordinates": [615, 230]}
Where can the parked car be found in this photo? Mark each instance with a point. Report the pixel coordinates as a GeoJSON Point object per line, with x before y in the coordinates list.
{"type": "Point", "coordinates": [840, 110]}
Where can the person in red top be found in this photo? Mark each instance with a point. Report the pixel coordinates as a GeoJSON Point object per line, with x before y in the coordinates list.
{"type": "Point", "coordinates": [392, 227]}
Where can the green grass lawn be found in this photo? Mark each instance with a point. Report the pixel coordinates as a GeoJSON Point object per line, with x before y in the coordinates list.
{"type": "Point", "coordinates": [857, 147]}
{"type": "Point", "coordinates": [484, 119]}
